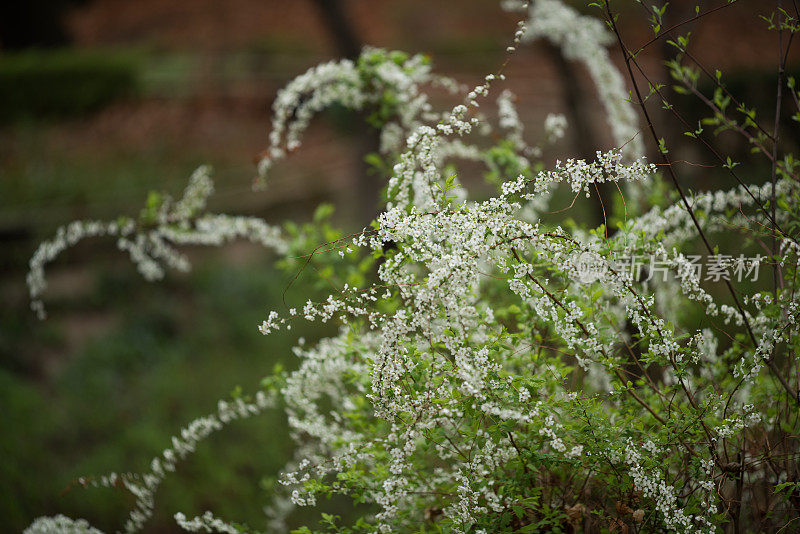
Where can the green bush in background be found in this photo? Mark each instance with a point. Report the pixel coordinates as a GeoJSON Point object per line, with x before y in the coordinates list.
{"type": "Point", "coordinates": [63, 83]}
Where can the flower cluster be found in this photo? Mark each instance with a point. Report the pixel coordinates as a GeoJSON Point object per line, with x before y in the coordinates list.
{"type": "Point", "coordinates": [584, 39]}
{"type": "Point", "coordinates": [479, 381]}
{"type": "Point", "coordinates": [150, 240]}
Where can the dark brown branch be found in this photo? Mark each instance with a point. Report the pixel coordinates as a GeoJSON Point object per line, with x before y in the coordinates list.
{"type": "Point", "coordinates": [628, 59]}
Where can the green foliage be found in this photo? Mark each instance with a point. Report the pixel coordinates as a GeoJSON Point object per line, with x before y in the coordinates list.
{"type": "Point", "coordinates": [45, 84]}
{"type": "Point", "coordinates": [118, 400]}
{"type": "Point", "coordinates": [479, 382]}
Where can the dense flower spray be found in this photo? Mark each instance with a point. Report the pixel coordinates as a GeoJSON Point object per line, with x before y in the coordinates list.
{"type": "Point", "coordinates": [481, 381]}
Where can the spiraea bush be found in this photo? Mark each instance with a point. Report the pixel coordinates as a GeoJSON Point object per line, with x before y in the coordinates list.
{"type": "Point", "coordinates": [496, 372]}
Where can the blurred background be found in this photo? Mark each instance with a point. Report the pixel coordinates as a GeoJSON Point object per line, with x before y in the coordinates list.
{"type": "Point", "coordinates": [104, 100]}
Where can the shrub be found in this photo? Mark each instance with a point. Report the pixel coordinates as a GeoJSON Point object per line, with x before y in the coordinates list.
{"type": "Point", "coordinates": [64, 83]}
{"type": "Point", "coordinates": [494, 372]}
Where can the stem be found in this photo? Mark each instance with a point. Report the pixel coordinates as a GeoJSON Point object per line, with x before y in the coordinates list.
{"type": "Point", "coordinates": [628, 58]}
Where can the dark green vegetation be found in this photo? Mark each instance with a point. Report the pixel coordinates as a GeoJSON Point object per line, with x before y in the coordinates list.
{"type": "Point", "coordinates": [35, 84]}
{"type": "Point", "coordinates": [159, 360]}
{"type": "Point", "coordinates": [121, 365]}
